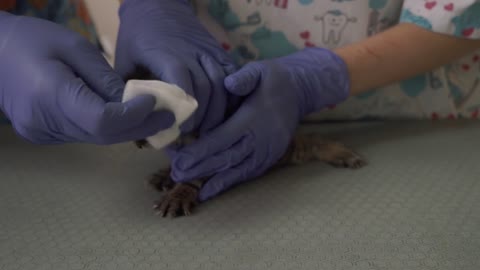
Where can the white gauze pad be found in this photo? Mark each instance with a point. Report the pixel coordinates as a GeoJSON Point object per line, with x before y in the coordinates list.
{"type": "Point", "coordinates": [169, 97]}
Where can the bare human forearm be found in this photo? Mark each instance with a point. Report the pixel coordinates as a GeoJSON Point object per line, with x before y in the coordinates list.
{"type": "Point", "coordinates": [399, 53]}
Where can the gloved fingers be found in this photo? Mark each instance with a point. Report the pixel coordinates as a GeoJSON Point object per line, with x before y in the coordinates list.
{"type": "Point", "coordinates": [91, 114]}
{"type": "Point", "coordinates": [244, 81]}
{"type": "Point", "coordinates": [226, 61]}
{"type": "Point", "coordinates": [249, 169]}
{"type": "Point", "coordinates": [39, 137]}
{"type": "Point", "coordinates": [217, 103]}
{"type": "Point", "coordinates": [170, 70]}
{"type": "Point", "coordinates": [149, 126]}
{"type": "Point", "coordinates": [40, 121]}
{"type": "Point", "coordinates": [230, 69]}
{"type": "Point", "coordinates": [131, 113]}
{"type": "Point", "coordinates": [153, 124]}
{"type": "Point", "coordinates": [213, 164]}
{"type": "Point", "coordinates": [50, 131]}
{"type": "Point", "coordinates": [90, 65]}
{"type": "Point", "coordinates": [218, 140]}
{"type": "Point", "coordinates": [223, 181]}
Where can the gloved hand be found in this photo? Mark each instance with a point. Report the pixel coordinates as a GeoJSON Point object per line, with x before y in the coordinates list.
{"type": "Point", "coordinates": [56, 87]}
{"type": "Point", "coordinates": [164, 38]}
{"type": "Point", "coordinates": [280, 92]}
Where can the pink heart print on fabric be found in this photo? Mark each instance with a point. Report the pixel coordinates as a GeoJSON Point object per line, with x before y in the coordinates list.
{"type": "Point", "coordinates": [468, 32]}
{"type": "Point", "coordinates": [449, 7]}
{"type": "Point", "coordinates": [474, 114]}
{"type": "Point", "coordinates": [281, 3]}
{"type": "Point", "coordinates": [430, 5]}
{"type": "Point", "coordinates": [305, 35]}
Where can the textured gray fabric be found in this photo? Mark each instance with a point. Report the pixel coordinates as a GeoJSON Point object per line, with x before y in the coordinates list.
{"type": "Point", "coordinates": [415, 206]}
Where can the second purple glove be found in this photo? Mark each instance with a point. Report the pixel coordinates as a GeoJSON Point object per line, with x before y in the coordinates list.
{"type": "Point", "coordinates": [279, 93]}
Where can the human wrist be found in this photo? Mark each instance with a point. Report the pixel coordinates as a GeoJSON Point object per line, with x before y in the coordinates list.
{"type": "Point", "coordinates": [322, 78]}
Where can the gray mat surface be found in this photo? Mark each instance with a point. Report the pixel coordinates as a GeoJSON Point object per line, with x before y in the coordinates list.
{"type": "Point", "coordinates": [415, 206]}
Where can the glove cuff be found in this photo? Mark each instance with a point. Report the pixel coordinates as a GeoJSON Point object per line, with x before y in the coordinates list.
{"type": "Point", "coordinates": [323, 78]}
{"type": "Point", "coordinates": [127, 4]}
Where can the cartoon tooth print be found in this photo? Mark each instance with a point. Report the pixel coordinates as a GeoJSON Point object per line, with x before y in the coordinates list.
{"type": "Point", "coordinates": [334, 23]}
{"type": "Point", "coordinates": [467, 22]}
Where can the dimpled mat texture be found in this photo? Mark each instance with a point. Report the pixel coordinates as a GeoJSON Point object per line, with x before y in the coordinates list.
{"type": "Point", "coordinates": [415, 206]}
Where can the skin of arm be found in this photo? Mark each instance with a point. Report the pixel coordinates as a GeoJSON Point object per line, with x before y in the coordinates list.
{"type": "Point", "coordinates": [399, 53]}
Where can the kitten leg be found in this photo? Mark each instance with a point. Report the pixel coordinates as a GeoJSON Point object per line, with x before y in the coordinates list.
{"type": "Point", "coordinates": [141, 144]}
{"type": "Point", "coordinates": [161, 180]}
{"type": "Point", "coordinates": [306, 148]}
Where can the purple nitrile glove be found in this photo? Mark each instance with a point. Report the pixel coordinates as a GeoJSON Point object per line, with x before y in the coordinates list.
{"type": "Point", "coordinates": [56, 87]}
{"type": "Point", "coordinates": [280, 92]}
{"type": "Point", "coordinates": [165, 39]}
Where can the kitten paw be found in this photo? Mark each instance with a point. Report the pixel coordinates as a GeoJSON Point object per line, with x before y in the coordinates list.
{"type": "Point", "coordinates": [179, 201]}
